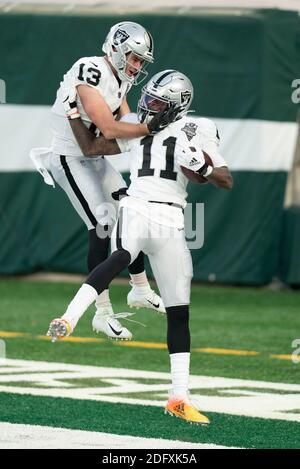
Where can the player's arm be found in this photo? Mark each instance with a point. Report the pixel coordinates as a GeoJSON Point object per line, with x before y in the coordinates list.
{"type": "Point", "coordinates": [90, 144]}
{"type": "Point", "coordinates": [218, 174]}
{"type": "Point", "coordinates": [100, 114]}
{"type": "Point", "coordinates": [124, 108]}
{"type": "Point", "coordinates": [209, 165]}
{"type": "Point", "coordinates": [221, 178]}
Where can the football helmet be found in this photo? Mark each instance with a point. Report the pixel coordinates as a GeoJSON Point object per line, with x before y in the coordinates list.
{"type": "Point", "coordinates": [128, 37]}
{"type": "Point", "coordinates": [163, 90]}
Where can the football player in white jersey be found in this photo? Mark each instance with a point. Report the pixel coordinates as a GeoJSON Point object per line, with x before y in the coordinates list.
{"type": "Point", "coordinates": [102, 85]}
{"type": "Point", "coordinates": [151, 217]}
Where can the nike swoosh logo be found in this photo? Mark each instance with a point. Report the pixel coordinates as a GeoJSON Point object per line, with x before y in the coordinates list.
{"type": "Point", "coordinates": [114, 331]}
{"type": "Point", "coordinates": [155, 306]}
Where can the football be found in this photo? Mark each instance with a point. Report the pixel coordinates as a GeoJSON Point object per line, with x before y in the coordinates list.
{"type": "Point", "coordinates": [195, 177]}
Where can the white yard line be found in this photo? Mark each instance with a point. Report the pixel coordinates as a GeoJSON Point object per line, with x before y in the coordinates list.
{"type": "Point", "coordinates": [14, 435]}
{"type": "Point", "coordinates": [248, 398]}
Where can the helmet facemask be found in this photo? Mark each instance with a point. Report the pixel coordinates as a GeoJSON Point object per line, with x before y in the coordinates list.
{"type": "Point", "coordinates": [149, 105]}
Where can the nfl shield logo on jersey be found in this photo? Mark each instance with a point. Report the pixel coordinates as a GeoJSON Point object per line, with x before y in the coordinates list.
{"type": "Point", "coordinates": [190, 130]}
{"type": "Point", "coordinates": [120, 37]}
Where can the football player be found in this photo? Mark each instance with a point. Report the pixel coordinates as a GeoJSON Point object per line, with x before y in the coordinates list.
{"type": "Point", "coordinates": [151, 216]}
{"type": "Point", "coordinates": [102, 85]}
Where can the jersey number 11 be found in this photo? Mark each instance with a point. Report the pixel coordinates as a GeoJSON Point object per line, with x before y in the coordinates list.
{"type": "Point", "coordinates": [146, 170]}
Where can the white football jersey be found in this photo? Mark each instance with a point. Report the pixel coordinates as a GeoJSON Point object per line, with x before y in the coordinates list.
{"type": "Point", "coordinates": [155, 160]}
{"type": "Point", "coordinates": [94, 72]}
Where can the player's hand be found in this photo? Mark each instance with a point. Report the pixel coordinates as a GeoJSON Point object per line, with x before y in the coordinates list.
{"type": "Point", "coordinates": [162, 119]}
{"type": "Point", "coordinates": [69, 93]}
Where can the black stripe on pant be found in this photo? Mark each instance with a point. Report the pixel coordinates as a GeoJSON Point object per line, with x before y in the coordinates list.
{"type": "Point", "coordinates": [77, 191]}
{"type": "Point", "coordinates": [119, 230]}
{"type": "Point", "coordinates": [138, 265]}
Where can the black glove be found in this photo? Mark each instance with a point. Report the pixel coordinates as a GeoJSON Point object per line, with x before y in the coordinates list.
{"type": "Point", "coordinates": [163, 118]}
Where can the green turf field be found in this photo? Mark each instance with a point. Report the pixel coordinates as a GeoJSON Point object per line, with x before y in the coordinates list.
{"type": "Point", "coordinates": [238, 333]}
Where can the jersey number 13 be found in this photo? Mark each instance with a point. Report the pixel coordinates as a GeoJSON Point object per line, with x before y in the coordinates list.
{"type": "Point", "coordinates": [93, 75]}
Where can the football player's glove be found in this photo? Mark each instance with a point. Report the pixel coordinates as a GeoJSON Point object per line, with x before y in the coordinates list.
{"type": "Point", "coordinates": [162, 119]}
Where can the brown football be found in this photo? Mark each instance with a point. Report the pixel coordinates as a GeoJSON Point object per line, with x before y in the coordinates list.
{"type": "Point", "coordinates": [195, 177]}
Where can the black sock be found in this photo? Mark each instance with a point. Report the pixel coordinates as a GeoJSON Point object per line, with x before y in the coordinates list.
{"type": "Point", "coordinates": [178, 335]}
{"type": "Point", "coordinates": [138, 265]}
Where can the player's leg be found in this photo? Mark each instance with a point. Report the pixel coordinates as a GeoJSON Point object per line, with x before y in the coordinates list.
{"type": "Point", "coordinates": [172, 267]}
{"type": "Point", "coordinates": [126, 250]}
{"type": "Point", "coordinates": [141, 294]}
{"type": "Point", "coordinates": [106, 210]}
{"type": "Point", "coordinates": [79, 178]}
{"type": "Point", "coordinates": [97, 253]}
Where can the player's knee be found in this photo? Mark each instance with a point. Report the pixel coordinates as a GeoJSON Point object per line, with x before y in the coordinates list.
{"type": "Point", "coordinates": [123, 257]}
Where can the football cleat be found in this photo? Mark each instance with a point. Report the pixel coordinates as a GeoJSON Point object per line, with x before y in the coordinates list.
{"type": "Point", "coordinates": [58, 329]}
{"type": "Point", "coordinates": [107, 322]}
{"type": "Point", "coordinates": [185, 410]}
{"type": "Point", "coordinates": [145, 298]}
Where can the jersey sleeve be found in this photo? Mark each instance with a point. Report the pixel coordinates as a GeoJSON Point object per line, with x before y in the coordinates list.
{"type": "Point", "coordinates": [189, 155]}
{"type": "Point", "coordinates": [123, 143]}
{"type": "Point", "coordinates": [209, 141]}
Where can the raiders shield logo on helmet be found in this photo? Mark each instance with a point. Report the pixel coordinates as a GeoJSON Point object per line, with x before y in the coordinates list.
{"type": "Point", "coordinates": [185, 97]}
{"type": "Point", "coordinates": [120, 37]}
{"type": "Point", "coordinates": [190, 130]}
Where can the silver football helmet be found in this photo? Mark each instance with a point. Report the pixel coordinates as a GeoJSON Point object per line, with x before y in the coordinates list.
{"type": "Point", "coordinates": [124, 38]}
{"type": "Point", "coordinates": [163, 90]}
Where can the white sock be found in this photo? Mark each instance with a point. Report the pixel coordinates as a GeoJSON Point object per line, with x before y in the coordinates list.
{"type": "Point", "coordinates": [85, 296]}
{"type": "Point", "coordinates": [180, 370]}
{"type": "Point", "coordinates": [140, 281]}
{"type": "Point", "coordinates": [103, 301]}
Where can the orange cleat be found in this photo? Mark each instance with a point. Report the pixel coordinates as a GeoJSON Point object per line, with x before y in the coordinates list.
{"type": "Point", "coordinates": [185, 410]}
